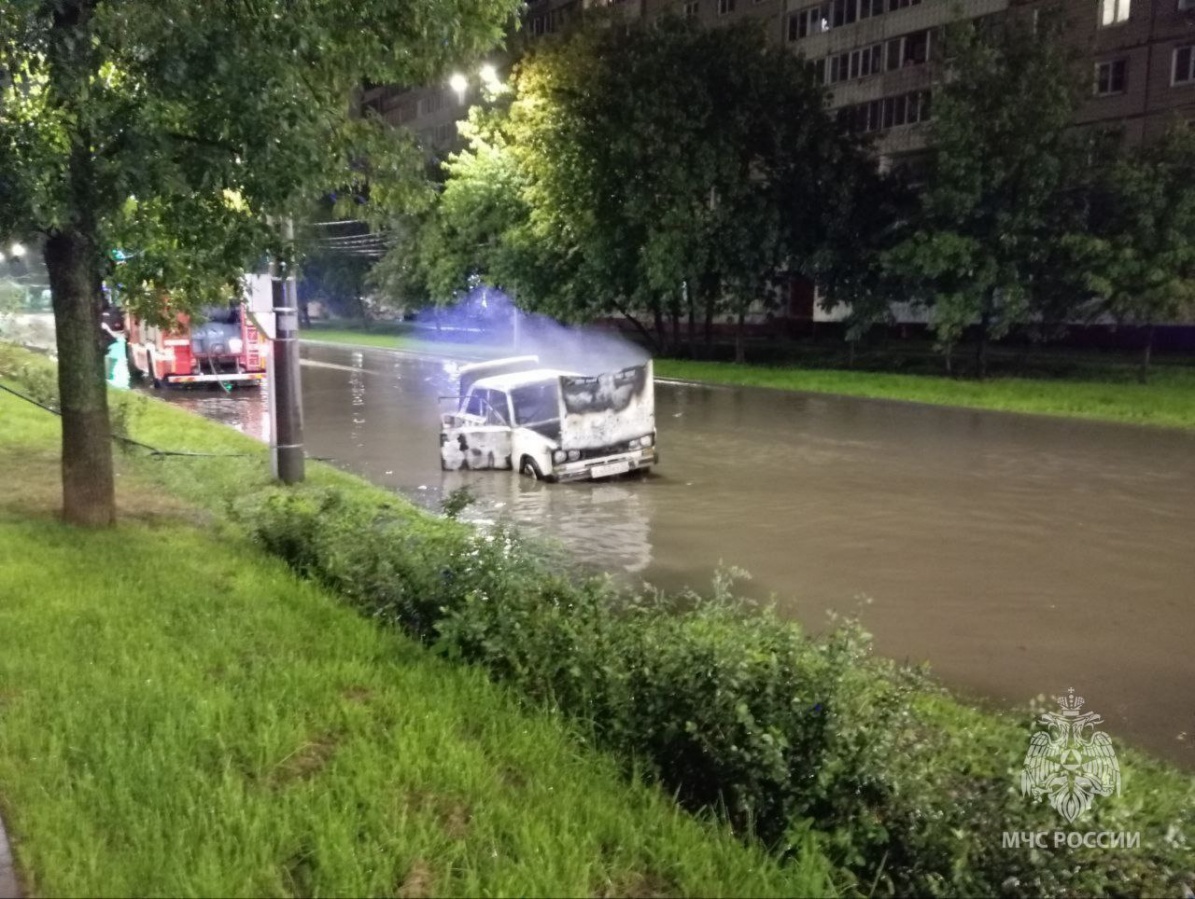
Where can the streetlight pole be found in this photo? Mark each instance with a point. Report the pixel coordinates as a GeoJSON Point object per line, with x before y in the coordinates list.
{"type": "Point", "coordinates": [286, 397]}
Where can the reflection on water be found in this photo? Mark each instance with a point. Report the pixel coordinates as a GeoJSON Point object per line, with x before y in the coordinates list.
{"type": "Point", "coordinates": [1019, 555]}
{"type": "Point", "coordinates": [605, 524]}
{"type": "Point", "coordinates": [246, 408]}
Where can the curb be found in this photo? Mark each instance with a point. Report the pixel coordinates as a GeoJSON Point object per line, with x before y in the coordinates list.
{"type": "Point", "coordinates": [9, 887]}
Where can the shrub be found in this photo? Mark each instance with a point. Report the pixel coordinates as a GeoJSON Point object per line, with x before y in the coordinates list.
{"type": "Point", "coordinates": [731, 708]}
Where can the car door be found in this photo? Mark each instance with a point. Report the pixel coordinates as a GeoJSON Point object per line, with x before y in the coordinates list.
{"type": "Point", "coordinates": [479, 436]}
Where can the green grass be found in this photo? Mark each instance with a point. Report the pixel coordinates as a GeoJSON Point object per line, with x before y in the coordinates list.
{"type": "Point", "coordinates": [1100, 391]}
{"type": "Point", "coordinates": [1168, 401]}
{"type": "Point", "coordinates": [402, 338]}
{"type": "Point", "coordinates": [180, 715]}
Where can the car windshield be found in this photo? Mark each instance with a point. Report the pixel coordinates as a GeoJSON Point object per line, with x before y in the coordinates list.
{"type": "Point", "coordinates": [536, 403]}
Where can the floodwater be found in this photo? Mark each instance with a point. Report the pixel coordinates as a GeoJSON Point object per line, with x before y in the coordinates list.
{"type": "Point", "coordinates": [1020, 556]}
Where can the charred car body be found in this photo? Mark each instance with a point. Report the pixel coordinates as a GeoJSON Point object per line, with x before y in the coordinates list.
{"type": "Point", "coordinates": [554, 425]}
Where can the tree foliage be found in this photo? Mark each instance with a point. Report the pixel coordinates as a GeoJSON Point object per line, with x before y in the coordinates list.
{"type": "Point", "coordinates": [177, 129]}
{"type": "Point", "coordinates": [663, 169]}
{"type": "Point", "coordinates": [1002, 154]}
{"type": "Point", "coordinates": [1139, 251]}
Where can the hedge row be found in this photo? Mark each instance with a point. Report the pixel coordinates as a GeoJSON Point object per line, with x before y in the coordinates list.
{"type": "Point", "coordinates": [738, 711]}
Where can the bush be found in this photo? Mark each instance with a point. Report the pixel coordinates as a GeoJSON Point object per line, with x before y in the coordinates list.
{"type": "Point", "coordinates": [734, 709]}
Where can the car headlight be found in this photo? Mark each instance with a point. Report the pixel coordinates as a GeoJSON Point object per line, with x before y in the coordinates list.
{"type": "Point", "coordinates": [574, 455]}
{"type": "Point", "coordinates": [648, 440]}
{"type": "Point", "coordinates": [235, 345]}
{"type": "Point", "coordinates": [559, 456]}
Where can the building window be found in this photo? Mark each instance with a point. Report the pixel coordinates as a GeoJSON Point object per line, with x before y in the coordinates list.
{"type": "Point", "coordinates": [1113, 12]}
{"type": "Point", "coordinates": [691, 9]}
{"type": "Point", "coordinates": [725, 7]}
{"type": "Point", "coordinates": [889, 112]}
{"type": "Point", "coordinates": [837, 13]}
{"type": "Point", "coordinates": [1186, 4]}
{"type": "Point", "coordinates": [429, 104]}
{"type": "Point", "coordinates": [806, 22]}
{"type": "Point", "coordinates": [916, 48]}
{"type": "Point", "coordinates": [1110, 77]}
{"type": "Point", "coordinates": [1184, 65]}
{"type": "Point", "coordinates": [869, 60]}
{"type": "Point", "coordinates": [843, 12]}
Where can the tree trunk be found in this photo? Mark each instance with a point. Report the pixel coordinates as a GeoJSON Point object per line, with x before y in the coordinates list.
{"type": "Point", "coordinates": [639, 326]}
{"type": "Point", "coordinates": [850, 352]}
{"type": "Point", "coordinates": [948, 355]}
{"type": "Point", "coordinates": [661, 332]}
{"type": "Point", "coordinates": [88, 483]}
{"type": "Point", "coordinates": [692, 311]}
{"type": "Point", "coordinates": [981, 347]}
{"type": "Point", "coordinates": [740, 350]}
{"type": "Point", "coordinates": [1146, 354]}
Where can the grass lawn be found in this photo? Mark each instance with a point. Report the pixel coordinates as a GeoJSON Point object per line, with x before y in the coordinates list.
{"type": "Point", "coordinates": [1102, 392]}
{"type": "Point", "coordinates": [1168, 401]}
{"type": "Point", "coordinates": [402, 338]}
{"type": "Point", "coordinates": [180, 715]}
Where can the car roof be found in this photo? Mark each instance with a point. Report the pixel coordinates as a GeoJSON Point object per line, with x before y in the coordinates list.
{"type": "Point", "coordinates": [518, 379]}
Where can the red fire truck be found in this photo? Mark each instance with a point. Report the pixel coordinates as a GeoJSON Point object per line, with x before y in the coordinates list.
{"type": "Point", "coordinates": [225, 346]}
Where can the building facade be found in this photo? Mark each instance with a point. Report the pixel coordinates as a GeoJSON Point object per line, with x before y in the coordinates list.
{"type": "Point", "coordinates": [876, 59]}
{"type": "Point", "coordinates": [1142, 61]}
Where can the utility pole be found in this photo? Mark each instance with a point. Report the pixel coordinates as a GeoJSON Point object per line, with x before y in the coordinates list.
{"type": "Point", "coordinates": [286, 396]}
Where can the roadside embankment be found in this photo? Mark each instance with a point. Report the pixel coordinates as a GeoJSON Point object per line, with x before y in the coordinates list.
{"type": "Point", "coordinates": [182, 715]}
{"type": "Point", "coordinates": [1167, 401]}
{"type": "Point", "coordinates": [1104, 393]}
{"type": "Point", "coordinates": [797, 741]}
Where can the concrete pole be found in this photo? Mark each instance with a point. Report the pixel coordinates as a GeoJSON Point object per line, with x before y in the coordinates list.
{"type": "Point", "coordinates": [286, 395]}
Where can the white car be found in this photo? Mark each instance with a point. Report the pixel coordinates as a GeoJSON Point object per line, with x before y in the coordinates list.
{"type": "Point", "coordinates": [551, 424]}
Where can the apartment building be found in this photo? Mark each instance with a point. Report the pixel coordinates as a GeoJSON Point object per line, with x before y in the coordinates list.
{"type": "Point", "coordinates": [1142, 56]}
{"type": "Point", "coordinates": [876, 58]}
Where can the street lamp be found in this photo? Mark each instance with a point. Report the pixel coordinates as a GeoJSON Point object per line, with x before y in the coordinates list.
{"type": "Point", "coordinates": [489, 76]}
{"type": "Point", "coordinates": [460, 84]}
{"type": "Point", "coordinates": [16, 250]}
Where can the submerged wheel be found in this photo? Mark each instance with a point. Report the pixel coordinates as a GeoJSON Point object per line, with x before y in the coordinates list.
{"type": "Point", "coordinates": [529, 466]}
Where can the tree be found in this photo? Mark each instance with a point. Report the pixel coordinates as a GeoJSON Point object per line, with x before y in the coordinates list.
{"type": "Point", "coordinates": [1139, 253]}
{"type": "Point", "coordinates": [874, 212]}
{"type": "Point", "coordinates": [663, 169]}
{"type": "Point", "coordinates": [189, 124]}
{"type": "Point", "coordinates": [1001, 156]}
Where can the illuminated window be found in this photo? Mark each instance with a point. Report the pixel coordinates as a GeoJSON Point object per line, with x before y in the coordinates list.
{"type": "Point", "coordinates": [1113, 12]}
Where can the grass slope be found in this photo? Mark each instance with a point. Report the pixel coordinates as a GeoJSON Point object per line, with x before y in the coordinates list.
{"type": "Point", "coordinates": [179, 715]}
{"type": "Point", "coordinates": [1168, 401]}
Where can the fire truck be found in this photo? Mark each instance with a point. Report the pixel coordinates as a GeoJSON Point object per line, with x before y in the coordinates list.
{"type": "Point", "coordinates": [224, 346]}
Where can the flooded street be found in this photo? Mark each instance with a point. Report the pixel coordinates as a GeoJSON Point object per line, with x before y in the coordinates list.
{"type": "Point", "coordinates": [1018, 555]}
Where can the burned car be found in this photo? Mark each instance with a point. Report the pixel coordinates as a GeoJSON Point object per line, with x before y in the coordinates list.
{"type": "Point", "coordinates": [551, 424]}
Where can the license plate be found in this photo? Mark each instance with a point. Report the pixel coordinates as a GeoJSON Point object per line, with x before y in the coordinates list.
{"type": "Point", "coordinates": [610, 468]}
